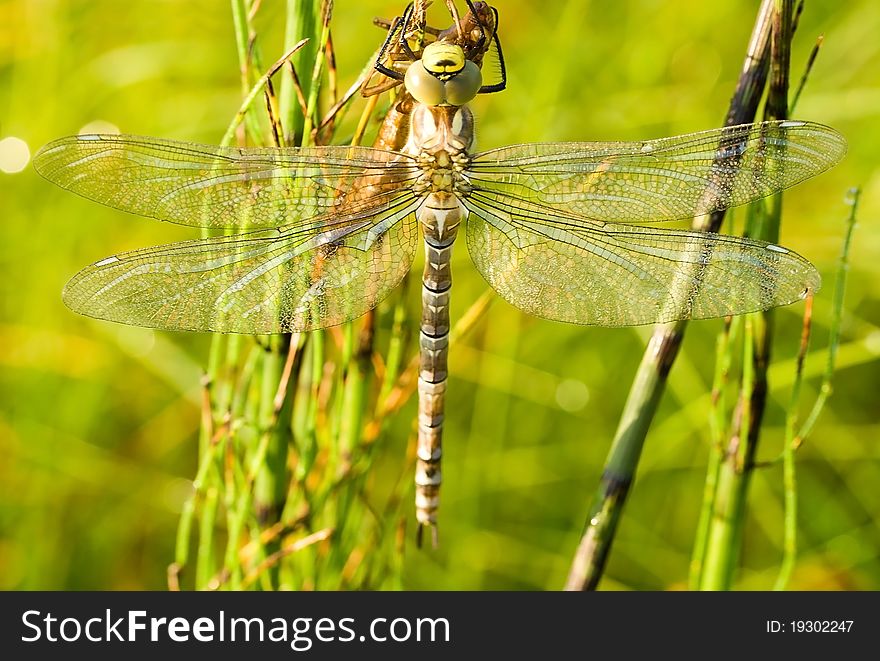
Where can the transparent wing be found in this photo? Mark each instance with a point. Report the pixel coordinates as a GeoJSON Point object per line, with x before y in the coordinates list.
{"type": "Point", "coordinates": [223, 187]}
{"type": "Point", "coordinates": [621, 275]}
{"type": "Point", "coordinates": [657, 180]}
{"type": "Point", "coordinates": [265, 281]}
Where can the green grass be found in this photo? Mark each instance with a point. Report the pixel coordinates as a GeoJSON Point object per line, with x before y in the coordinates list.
{"type": "Point", "coordinates": [99, 424]}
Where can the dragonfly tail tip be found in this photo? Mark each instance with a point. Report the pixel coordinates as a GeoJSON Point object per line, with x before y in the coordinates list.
{"type": "Point", "coordinates": [435, 535]}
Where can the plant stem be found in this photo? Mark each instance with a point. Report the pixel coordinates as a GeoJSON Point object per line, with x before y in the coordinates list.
{"type": "Point", "coordinates": [718, 432]}
{"type": "Point", "coordinates": [728, 521]}
{"type": "Point", "coordinates": [270, 486]}
{"type": "Point", "coordinates": [794, 438]}
{"type": "Point", "coordinates": [825, 389]}
{"type": "Point", "coordinates": [789, 479]}
{"type": "Point", "coordinates": [650, 381]}
{"type": "Point", "coordinates": [301, 22]}
{"type": "Point", "coordinates": [205, 560]}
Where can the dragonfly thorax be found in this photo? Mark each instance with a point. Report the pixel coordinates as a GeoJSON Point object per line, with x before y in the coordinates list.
{"type": "Point", "coordinates": [439, 139]}
{"type": "Point", "coordinates": [435, 128]}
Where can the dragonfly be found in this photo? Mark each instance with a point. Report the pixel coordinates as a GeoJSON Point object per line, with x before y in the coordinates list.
{"type": "Point", "coordinates": [318, 236]}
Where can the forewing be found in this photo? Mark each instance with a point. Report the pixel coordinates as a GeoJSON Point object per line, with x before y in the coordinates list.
{"type": "Point", "coordinates": [657, 180]}
{"type": "Point", "coordinates": [223, 187]}
{"type": "Point", "coordinates": [622, 275]}
{"type": "Point", "coordinates": [262, 281]}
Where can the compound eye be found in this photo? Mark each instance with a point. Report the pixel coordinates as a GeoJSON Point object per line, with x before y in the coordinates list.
{"type": "Point", "coordinates": [423, 86]}
{"type": "Point", "coordinates": [443, 59]}
{"type": "Point", "coordinates": [463, 87]}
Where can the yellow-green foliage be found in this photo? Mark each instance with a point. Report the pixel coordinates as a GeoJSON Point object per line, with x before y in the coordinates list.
{"type": "Point", "coordinates": [99, 423]}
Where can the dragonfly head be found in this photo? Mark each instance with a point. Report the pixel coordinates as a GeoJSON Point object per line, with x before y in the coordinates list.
{"type": "Point", "coordinates": [443, 77]}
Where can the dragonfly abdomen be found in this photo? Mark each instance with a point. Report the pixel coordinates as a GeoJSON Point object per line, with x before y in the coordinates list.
{"type": "Point", "coordinates": [440, 216]}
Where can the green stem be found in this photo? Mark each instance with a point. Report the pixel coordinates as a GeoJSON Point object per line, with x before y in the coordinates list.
{"type": "Point", "coordinates": [313, 87]}
{"type": "Point", "coordinates": [301, 19]}
{"type": "Point", "coordinates": [789, 478]}
{"type": "Point", "coordinates": [282, 450]}
{"type": "Point", "coordinates": [836, 317]}
{"type": "Point", "coordinates": [717, 432]}
{"type": "Point", "coordinates": [242, 30]}
{"type": "Point", "coordinates": [650, 380]}
{"type": "Point", "coordinates": [205, 560]}
{"type": "Point", "coordinates": [728, 522]}
{"type": "Point", "coordinates": [271, 481]}
{"type": "Point", "coordinates": [394, 357]}
{"type": "Point", "coordinates": [721, 543]}
{"type": "Point", "coordinates": [793, 437]}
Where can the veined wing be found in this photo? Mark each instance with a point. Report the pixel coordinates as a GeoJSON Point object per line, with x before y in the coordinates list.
{"type": "Point", "coordinates": [657, 180]}
{"type": "Point", "coordinates": [224, 187]}
{"type": "Point", "coordinates": [262, 281]}
{"type": "Point", "coordinates": [581, 271]}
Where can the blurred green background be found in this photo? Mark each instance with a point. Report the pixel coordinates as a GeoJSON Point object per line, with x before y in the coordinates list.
{"type": "Point", "coordinates": [98, 422]}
